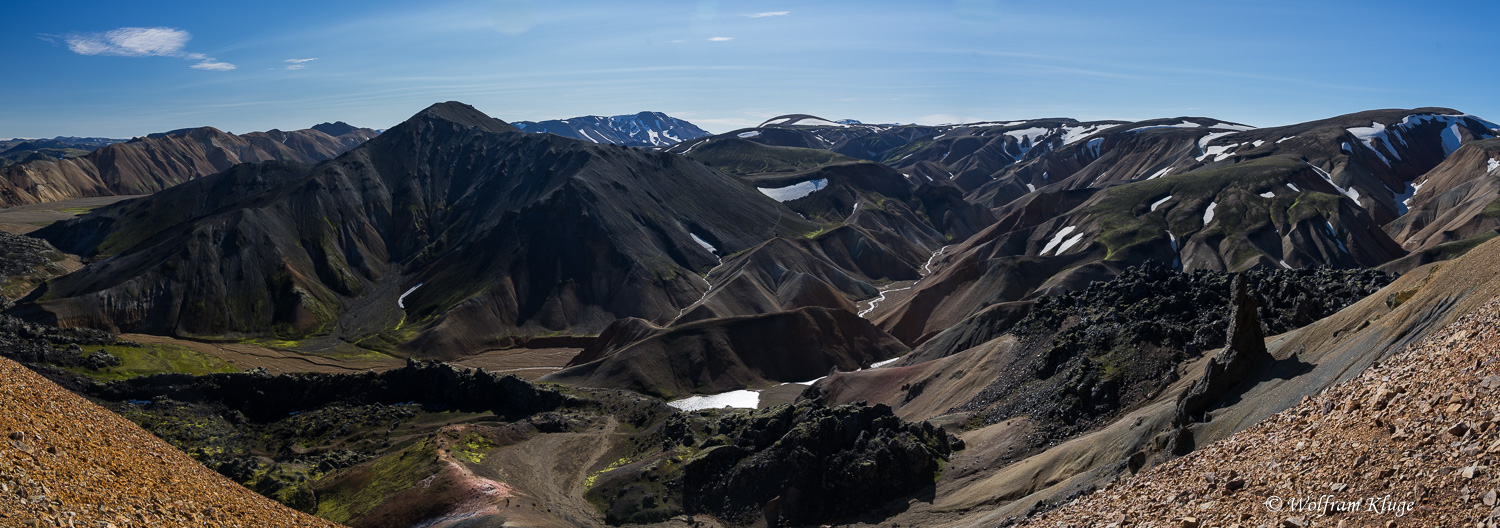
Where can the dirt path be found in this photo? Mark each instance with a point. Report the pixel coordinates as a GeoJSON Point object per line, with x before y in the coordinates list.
{"type": "Point", "coordinates": [553, 467]}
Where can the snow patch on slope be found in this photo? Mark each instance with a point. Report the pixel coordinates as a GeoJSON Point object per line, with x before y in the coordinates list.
{"type": "Point", "coordinates": [1092, 146]}
{"type": "Point", "coordinates": [1335, 235]}
{"type": "Point", "coordinates": [1177, 254]}
{"type": "Point", "coordinates": [401, 301]}
{"type": "Point", "coordinates": [1228, 126]}
{"type": "Point", "coordinates": [1351, 193]}
{"type": "Point", "coordinates": [1184, 124]}
{"type": "Point", "coordinates": [1451, 137]}
{"type": "Point", "coordinates": [1069, 243]}
{"type": "Point", "coordinates": [739, 399]}
{"type": "Point", "coordinates": [1403, 199]}
{"type": "Point", "coordinates": [1406, 204]}
{"type": "Point", "coordinates": [1220, 152]}
{"type": "Point", "coordinates": [1075, 134]}
{"type": "Point", "coordinates": [1208, 214]}
{"type": "Point", "coordinates": [1057, 239]}
{"type": "Point", "coordinates": [793, 192]}
{"type": "Point", "coordinates": [1159, 202]}
{"type": "Point", "coordinates": [704, 243]}
{"type": "Point", "coordinates": [1369, 134]}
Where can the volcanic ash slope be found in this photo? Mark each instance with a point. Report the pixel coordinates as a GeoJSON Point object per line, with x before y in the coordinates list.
{"type": "Point", "coordinates": [1413, 441]}
{"type": "Point", "coordinates": [67, 462]}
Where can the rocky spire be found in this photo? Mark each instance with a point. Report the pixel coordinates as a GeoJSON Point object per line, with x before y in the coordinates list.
{"type": "Point", "coordinates": [1244, 350]}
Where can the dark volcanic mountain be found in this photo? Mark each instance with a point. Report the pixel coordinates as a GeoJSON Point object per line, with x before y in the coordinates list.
{"type": "Point", "coordinates": [646, 129]}
{"type": "Point", "coordinates": [335, 129]}
{"type": "Point", "coordinates": [149, 164]}
{"type": "Point", "coordinates": [446, 233]}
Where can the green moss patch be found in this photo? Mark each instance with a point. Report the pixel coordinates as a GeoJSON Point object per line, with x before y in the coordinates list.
{"type": "Point", "coordinates": [155, 359]}
{"type": "Point", "coordinates": [368, 486]}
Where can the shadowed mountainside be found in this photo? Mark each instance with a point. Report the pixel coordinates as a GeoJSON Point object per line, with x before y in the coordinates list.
{"type": "Point", "coordinates": [445, 233]}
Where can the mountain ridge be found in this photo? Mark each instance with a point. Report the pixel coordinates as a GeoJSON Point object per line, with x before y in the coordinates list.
{"type": "Point", "coordinates": [148, 164]}
{"type": "Point", "coordinates": [643, 129]}
{"type": "Point", "coordinates": [361, 225]}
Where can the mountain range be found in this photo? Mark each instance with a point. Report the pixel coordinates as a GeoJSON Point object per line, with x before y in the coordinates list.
{"type": "Point", "coordinates": [148, 164]}
{"type": "Point", "coordinates": [446, 233]}
{"type": "Point", "coordinates": [21, 150]}
{"type": "Point", "coordinates": [991, 318]}
{"type": "Point", "coordinates": [645, 129]}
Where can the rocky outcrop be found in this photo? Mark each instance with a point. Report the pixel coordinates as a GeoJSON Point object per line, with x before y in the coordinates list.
{"type": "Point", "coordinates": [1244, 351]}
{"type": "Point", "coordinates": [1151, 303]}
{"type": "Point", "coordinates": [25, 262]}
{"type": "Point", "coordinates": [36, 343]}
{"type": "Point", "coordinates": [263, 397]}
{"type": "Point", "coordinates": [789, 465]}
{"type": "Point", "coordinates": [1078, 360]}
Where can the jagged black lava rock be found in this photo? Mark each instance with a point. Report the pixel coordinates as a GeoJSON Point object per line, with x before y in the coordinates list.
{"type": "Point", "coordinates": [262, 397]}
{"type": "Point", "coordinates": [789, 465]}
{"type": "Point", "coordinates": [1117, 342]}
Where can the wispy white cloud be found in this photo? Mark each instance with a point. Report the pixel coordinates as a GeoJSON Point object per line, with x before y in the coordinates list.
{"type": "Point", "coordinates": [131, 42]}
{"type": "Point", "coordinates": [213, 65]}
{"type": "Point", "coordinates": [142, 42]}
{"type": "Point", "coordinates": [720, 39]}
{"type": "Point", "coordinates": [298, 64]}
{"type": "Point", "coordinates": [767, 14]}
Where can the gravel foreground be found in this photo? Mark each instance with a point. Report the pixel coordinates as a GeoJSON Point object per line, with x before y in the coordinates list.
{"type": "Point", "coordinates": [1413, 441]}
{"type": "Point", "coordinates": [67, 462]}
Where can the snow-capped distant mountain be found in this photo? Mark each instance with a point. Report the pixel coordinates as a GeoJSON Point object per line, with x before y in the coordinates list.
{"type": "Point", "coordinates": [646, 129]}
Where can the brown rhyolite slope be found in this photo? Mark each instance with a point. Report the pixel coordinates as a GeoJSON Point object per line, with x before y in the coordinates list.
{"type": "Point", "coordinates": [1456, 200]}
{"type": "Point", "coordinates": [148, 164]}
{"type": "Point", "coordinates": [1417, 434]}
{"type": "Point", "coordinates": [67, 462]}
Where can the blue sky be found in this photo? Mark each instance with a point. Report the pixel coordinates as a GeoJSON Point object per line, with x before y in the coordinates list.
{"type": "Point", "coordinates": [121, 69]}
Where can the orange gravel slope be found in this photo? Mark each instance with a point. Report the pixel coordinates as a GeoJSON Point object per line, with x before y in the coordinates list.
{"type": "Point", "coordinates": [67, 462]}
{"type": "Point", "coordinates": [1412, 442]}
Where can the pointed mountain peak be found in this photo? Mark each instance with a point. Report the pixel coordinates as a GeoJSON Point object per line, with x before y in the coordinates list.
{"type": "Point", "coordinates": [462, 114]}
